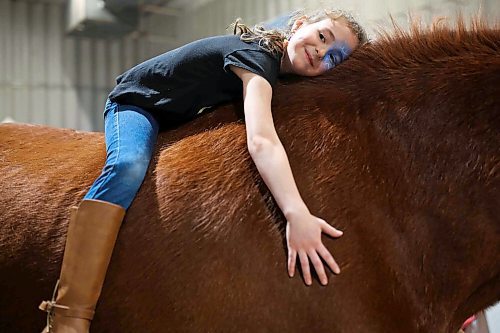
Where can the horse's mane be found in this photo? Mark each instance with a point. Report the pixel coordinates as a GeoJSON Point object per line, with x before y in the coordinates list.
{"type": "Point", "coordinates": [425, 44]}
{"type": "Point", "coordinates": [411, 66]}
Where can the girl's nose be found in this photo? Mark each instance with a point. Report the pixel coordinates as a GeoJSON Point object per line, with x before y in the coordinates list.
{"type": "Point", "coordinates": [320, 52]}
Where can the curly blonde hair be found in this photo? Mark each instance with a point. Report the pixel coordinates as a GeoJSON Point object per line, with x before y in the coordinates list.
{"type": "Point", "coordinates": [273, 40]}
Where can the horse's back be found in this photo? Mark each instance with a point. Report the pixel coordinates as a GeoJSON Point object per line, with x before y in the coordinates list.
{"type": "Point", "coordinates": [38, 147]}
{"type": "Point", "coordinates": [39, 167]}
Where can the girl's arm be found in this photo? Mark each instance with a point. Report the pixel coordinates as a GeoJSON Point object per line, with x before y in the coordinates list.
{"type": "Point", "coordinates": [303, 230]}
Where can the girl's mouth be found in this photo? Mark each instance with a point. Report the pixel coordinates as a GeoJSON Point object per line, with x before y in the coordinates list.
{"type": "Point", "coordinates": [309, 58]}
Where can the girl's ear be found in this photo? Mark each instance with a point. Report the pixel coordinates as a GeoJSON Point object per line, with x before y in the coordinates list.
{"type": "Point", "coordinates": [298, 23]}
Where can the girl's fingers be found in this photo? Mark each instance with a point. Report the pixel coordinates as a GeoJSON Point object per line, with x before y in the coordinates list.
{"type": "Point", "coordinates": [292, 256]}
{"type": "Point", "coordinates": [318, 266]}
{"type": "Point", "coordinates": [304, 263]}
{"type": "Point", "coordinates": [327, 256]}
{"type": "Point", "coordinates": [328, 229]}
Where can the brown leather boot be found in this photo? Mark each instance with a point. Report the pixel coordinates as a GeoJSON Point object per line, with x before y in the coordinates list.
{"type": "Point", "coordinates": [92, 232]}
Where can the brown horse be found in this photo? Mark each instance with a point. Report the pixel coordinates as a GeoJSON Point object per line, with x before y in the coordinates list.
{"type": "Point", "coordinates": [398, 147]}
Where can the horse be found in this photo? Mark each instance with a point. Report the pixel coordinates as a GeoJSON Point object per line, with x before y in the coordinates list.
{"type": "Point", "coordinates": [398, 147]}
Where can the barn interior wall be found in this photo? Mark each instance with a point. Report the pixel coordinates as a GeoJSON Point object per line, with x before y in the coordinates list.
{"type": "Point", "coordinates": [48, 77]}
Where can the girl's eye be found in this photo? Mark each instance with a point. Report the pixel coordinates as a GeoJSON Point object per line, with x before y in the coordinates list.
{"type": "Point", "coordinates": [322, 37]}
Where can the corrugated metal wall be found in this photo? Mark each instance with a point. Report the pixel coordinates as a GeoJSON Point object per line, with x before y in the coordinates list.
{"type": "Point", "coordinates": [47, 77]}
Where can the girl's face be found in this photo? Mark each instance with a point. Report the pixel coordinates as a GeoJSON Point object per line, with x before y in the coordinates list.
{"type": "Point", "coordinates": [317, 47]}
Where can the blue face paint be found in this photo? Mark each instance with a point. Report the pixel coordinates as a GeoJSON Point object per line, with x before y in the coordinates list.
{"type": "Point", "coordinates": [339, 52]}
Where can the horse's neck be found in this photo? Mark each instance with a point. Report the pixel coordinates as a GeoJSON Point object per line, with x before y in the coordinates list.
{"type": "Point", "coordinates": [442, 150]}
{"type": "Point", "coordinates": [434, 159]}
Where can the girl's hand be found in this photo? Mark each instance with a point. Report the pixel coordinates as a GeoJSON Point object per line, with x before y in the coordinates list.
{"type": "Point", "coordinates": [303, 235]}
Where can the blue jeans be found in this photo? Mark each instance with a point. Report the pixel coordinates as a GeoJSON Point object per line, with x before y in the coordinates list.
{"type": "Point", "coordinates": [131, 135]}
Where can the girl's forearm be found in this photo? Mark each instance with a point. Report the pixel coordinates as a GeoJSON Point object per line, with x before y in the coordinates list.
{"type": "Point", "coordinates": [272, 162]}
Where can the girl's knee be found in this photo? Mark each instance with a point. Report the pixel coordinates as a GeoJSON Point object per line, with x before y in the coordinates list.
{"type": "Point", "coordinates": [132, 170]}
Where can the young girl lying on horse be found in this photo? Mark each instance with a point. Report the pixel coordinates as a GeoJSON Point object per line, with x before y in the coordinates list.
{"type": "Point", "coordinates": [181, 83]}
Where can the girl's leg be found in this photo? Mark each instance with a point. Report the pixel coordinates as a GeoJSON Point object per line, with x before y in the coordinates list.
{"type": "Point", "coordinates": [130, 138]}
{"type": "Point", "coordinates": [131, 135]}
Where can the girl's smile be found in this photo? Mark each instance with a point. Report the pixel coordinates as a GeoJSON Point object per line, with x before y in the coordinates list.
{"type": "Point", "coordinates": [308, 56]}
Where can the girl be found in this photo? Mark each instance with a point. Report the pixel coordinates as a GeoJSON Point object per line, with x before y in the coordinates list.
{"type": "Point", "coordinates": [180, 84]}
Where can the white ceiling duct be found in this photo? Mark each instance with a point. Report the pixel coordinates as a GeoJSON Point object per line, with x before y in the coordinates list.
{"type": "Point", "coordinates": [91, 18]}
{"type": "Point", "coordinates": [115, 18]}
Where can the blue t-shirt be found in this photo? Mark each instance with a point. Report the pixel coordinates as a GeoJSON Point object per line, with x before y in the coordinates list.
{"type": "Point", "coordinates": [193, 77]}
